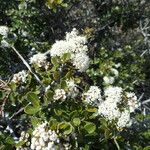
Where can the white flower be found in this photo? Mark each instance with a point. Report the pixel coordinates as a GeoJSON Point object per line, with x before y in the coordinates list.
{"type": "Point", "coordinates": [50, 145]}
{"type": "Point", "coordinates": [4, 43]}
{"type": "Point", "coordinates": [39, 59]}
{"type": "Point", "coordinates": [20, 77]}
{"type": "Point", "coordinates": [108, 80]}
{"type": "Point", "coordinates": [124, 119]}
{"type": "Point", "coordinates": [60, 47]}
{"type": "Point", "coordinates": [4, 31]}
{"type": "Point", "coordinates": [25, 138]}
{"type": "Point", "coordinates": [132, 101]}
{"type": "Point", "coordinates": [59, 94]}
{"type": "Point", "coordinates": [115, 72]}
{"type": "Point", "coordinates": [43, 138]}
{"type": "Point", "coordinates": [73, 43]}
{"type": "Point", "coordinates": [53, 136]}
{"type": "Point", "coordinates": [109, 110]}
{"type": "Point", "coordinates": [72, 89]}
{"type": "Point", "coordinates": [77, 41]}
{"type": "Point", "coordinates": [81, 61]}
{"type": "Point", "coordinates": [93, 95]}
{"type": "Point", "coordinates": [113, 94]}
{"type": "Point", "coordinates": [74, 34]}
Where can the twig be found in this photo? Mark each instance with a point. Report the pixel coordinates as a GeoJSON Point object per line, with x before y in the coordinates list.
{"type": "Point", "coordinates": [146, 107]}
{"type": "Point", "coordinates": [117, 145]}
{"type": "Point", "coordinates": [145, 34]}
{"type": "Point", "coordinates": [141, 97]}
{"type": "Point", "coordinates": [25, 63]}
{"type": "Point", "coordinates": [3, 105]}
{"type": "Point", "coordinates": [146, 101]}
{"type": "Point", "coordinates": [16, 113]}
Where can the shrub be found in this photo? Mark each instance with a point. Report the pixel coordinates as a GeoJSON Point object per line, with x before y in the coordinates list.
{"type": "Point", "coordinates": [56, 107]}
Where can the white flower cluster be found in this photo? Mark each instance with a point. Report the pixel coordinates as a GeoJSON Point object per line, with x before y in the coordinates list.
{"type": "Point", "coordinates": [109, 110]}
{"type": "Point", "coordinates": [59, 48]}
{"type": "Point", "coordinates": [25, 138]}
{"type": "Point", "coordinates": [132, 101]}
{"type": "Point", "coordinates": [93, 95]}
{"type": "Point", "coordinates": [44, 139]}
{"type": "Point", "coordinates": [72, 89]}
{"type": "Point", "coordinates": [124, 120]}
{"type": "Point", "coordinates": [110, 107]}
{"type": "Point", "coordinates": [81, 61]}
{"type": "Point", "coordinates": [59, 94]}
{"type": "Point", "coordinates": [75, 45]}
{"type": "Point", "coordinates": [78, 42]}
{"type": "Point", "coordinates": [39, 59]}
{"type": "Point", "coordinates": [4, 31]}
{"type": "Point", "coordinates": [20, 77]}
{"type": "Point", "coordinates": [113, 94]}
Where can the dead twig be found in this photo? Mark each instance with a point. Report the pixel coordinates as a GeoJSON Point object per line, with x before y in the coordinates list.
{"type": "Point", "coordinates": [25, 63]}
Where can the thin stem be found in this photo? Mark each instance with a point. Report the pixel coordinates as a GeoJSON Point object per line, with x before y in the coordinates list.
{"type": "Point", "coordinates": [25, 63]}
{"type": "Point", "coordinates": [117, 145]}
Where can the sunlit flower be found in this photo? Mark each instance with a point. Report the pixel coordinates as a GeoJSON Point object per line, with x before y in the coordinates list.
{"type": "Point", "coordinates": [93, 95]}
{"type": "Point", "coordinates": [20, 77]}
{"type": "Point", "coordinates": [59, 94]}
{"type": "Point", "coordinates": [81, 62]}
{"type": "Point", "coordinates": [39, 59]}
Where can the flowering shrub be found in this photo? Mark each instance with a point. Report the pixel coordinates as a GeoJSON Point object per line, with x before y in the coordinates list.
{"type": "Point", "coordinates": [59, 109]}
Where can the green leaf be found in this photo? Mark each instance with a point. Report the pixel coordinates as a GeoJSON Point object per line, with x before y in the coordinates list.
{"type": "Point", "coordinates": [147, 148]}
{"type": "Point", "coordinates": [69, 129]}
{"type": "Point", "coordinates": [64, 5]}
{"type": "Point", "coordinates": [53, 123]}
{"type": "Point", "coordinates": [31, 110]}
{"type": "Point", "coordinates": [56, 76]}
{"type": "Point", "coordinates": [66, 127]}
{"type": "Point", "coordinates": [63, 84]}
{"type": "Point", "coordinates": [49, 94]}
{"type": "Point", "coordinates": [13, 86]}
{"type": "Point", "coordinates": [107, 134]}
{"type": "Point", "coordinates": [58, 112]}
{"type": "Point", "coordinates": [103, 123]}
{"type": "Point", "coordinates": [20, 143]}
{"type": "Point", "coordinates": [91, 109]}
{"type": "Point", "coordinates": [66, 57]}
{"type": "Point", "coordinates": [90, 127]}
{"type": "Point", "coordinates": [35, 121]}
{"type": "Point", "coordinates": [62, 125]}
{"type": "Point", "coordinates": [54, 61]}
{"type": "Point", "coordinates": [33, 98]}
{"type": "Point", "coordinates": [68, 75]}
{"type": "Point", "coordinates": [76, 121]}
{"type": "Point", "coordinates": [9, 140]}
{"type": "Point", "coordinates": [87, 147]}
